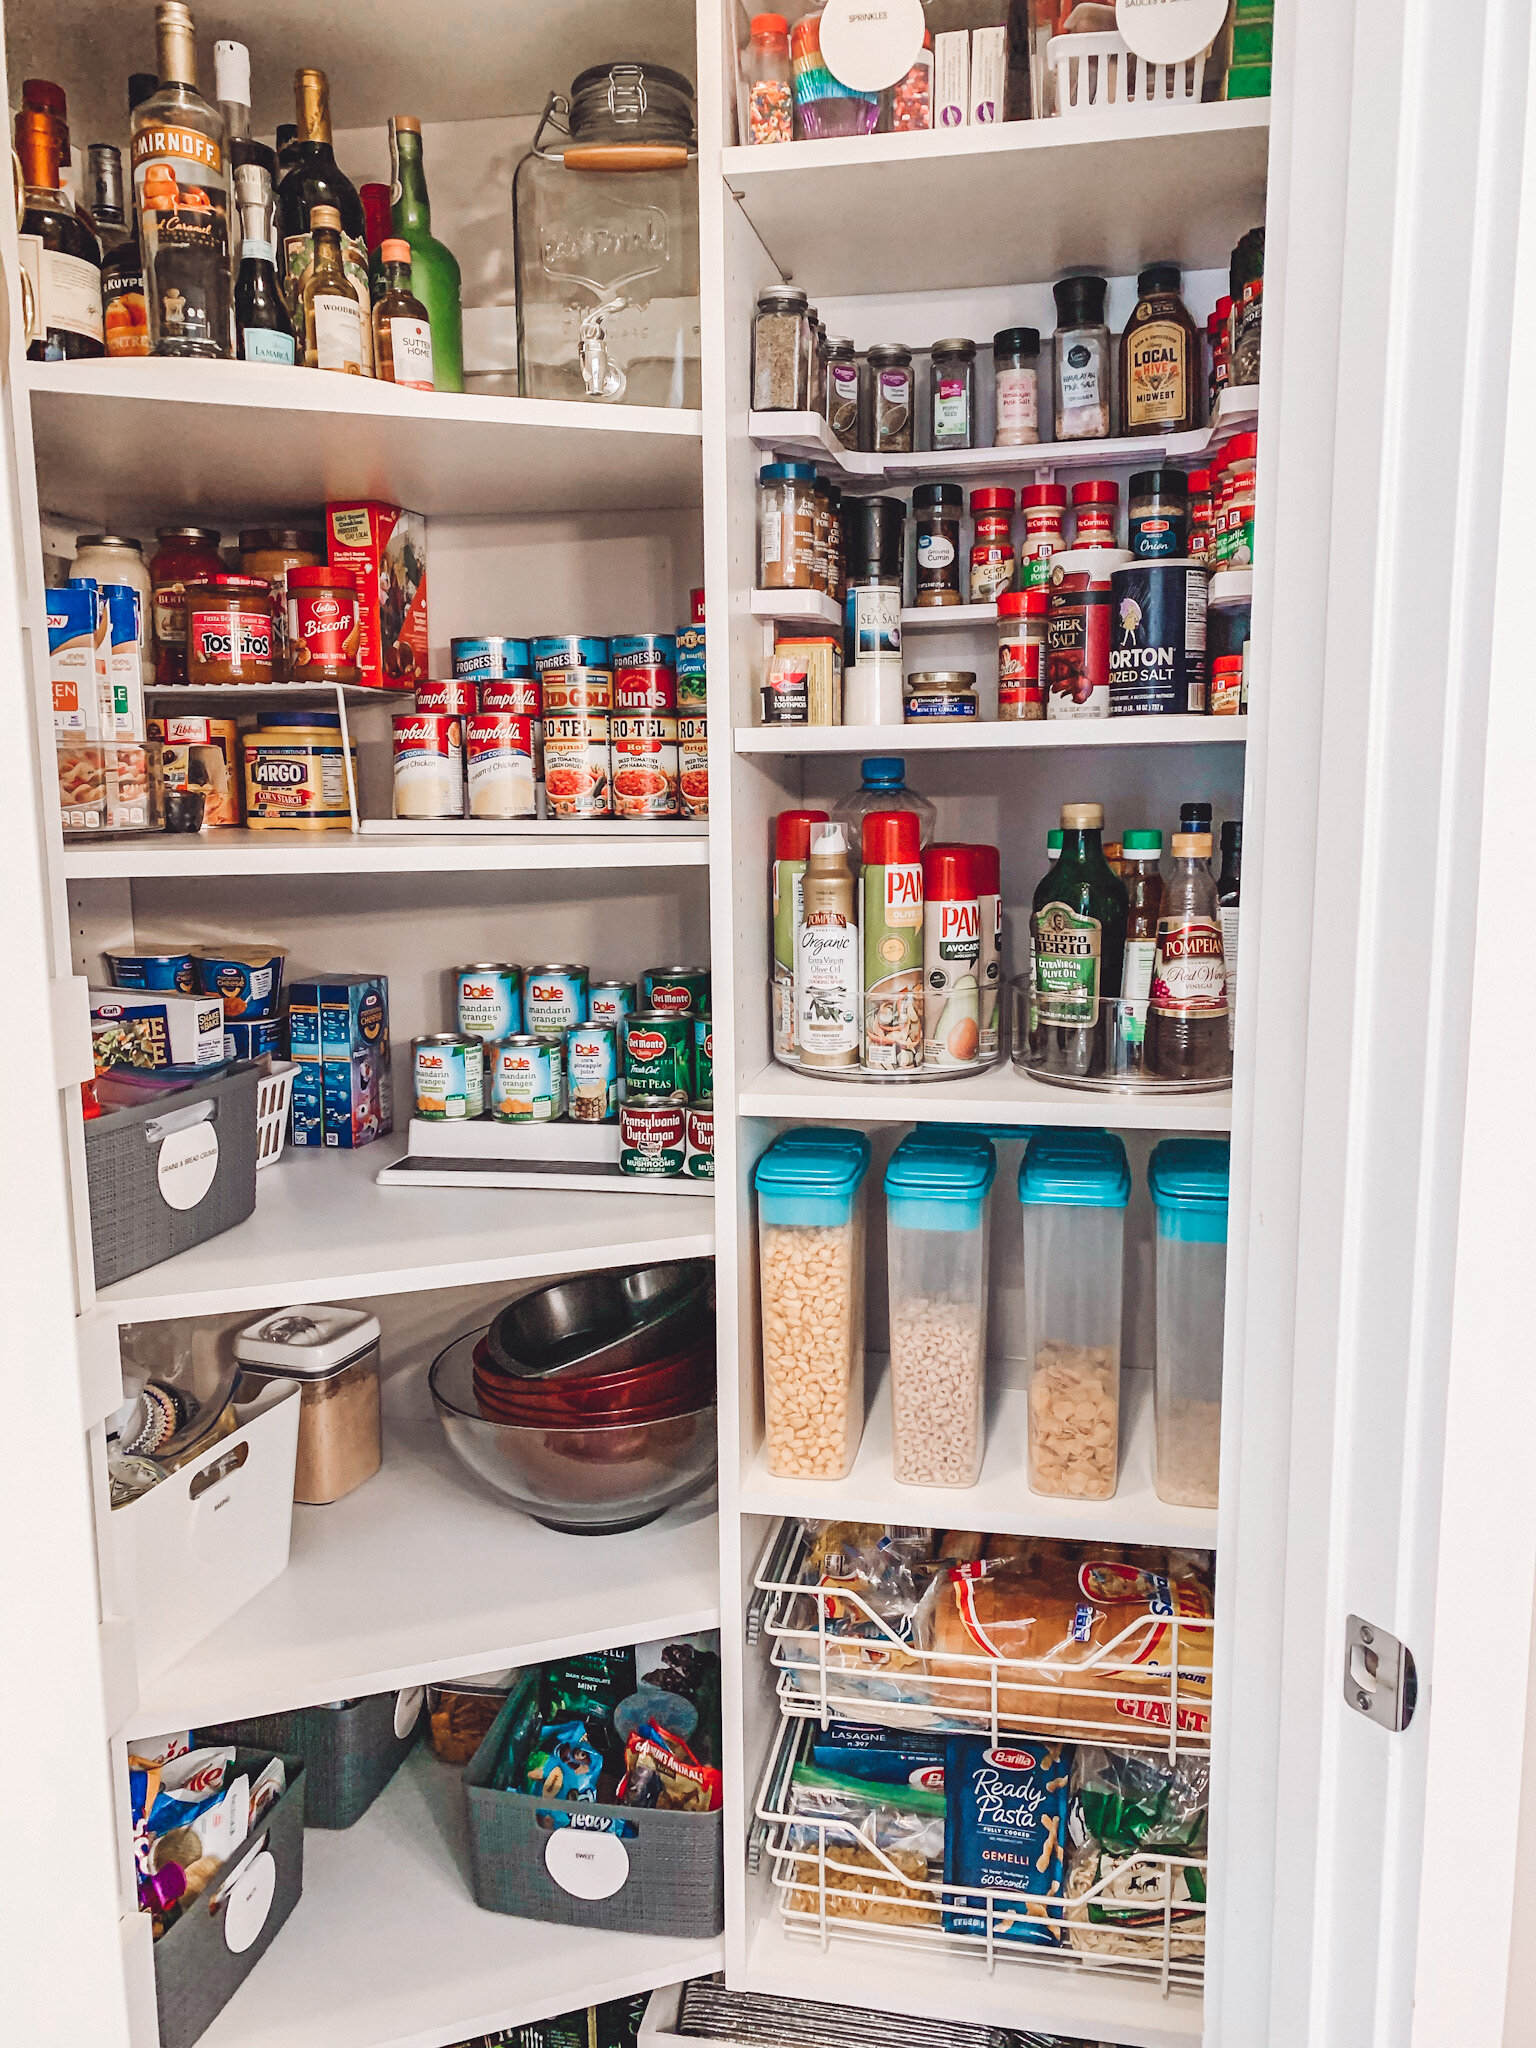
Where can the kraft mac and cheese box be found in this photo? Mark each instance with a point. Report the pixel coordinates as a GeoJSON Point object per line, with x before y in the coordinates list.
{"type": "Point", "coordinates": [1005, 1830]}
{"type": "Point", "coordinates": [386, 549]}
{"type": "Point", "coordinates": [343, 1104]}
{"type": "Point", "coordinates": [338, 1017]}
{"type": "Point", "coordinates": [152, 1030]}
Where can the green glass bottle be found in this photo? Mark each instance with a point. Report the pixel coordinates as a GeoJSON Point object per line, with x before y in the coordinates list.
{"type": "Point", "coordinates": [434, 271]}
{"type": "Point", "coordinates": [1077, 934]}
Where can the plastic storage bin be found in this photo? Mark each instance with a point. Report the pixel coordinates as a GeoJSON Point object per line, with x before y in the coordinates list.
{"type": "Point", "coordinates": [1074, 1186]}
{"type": "Point", "coordinates": [350, 1750]}
{"type": "Point", "coordinates": [334, 1354]}
{"type": "Point", "coordinates": [1096, 70]}
{"type": "Point", "coordinates": [1188, 1180]}
{"type": "Point", "coordinates": [810, 1221]}
{"type": "Point", "coordinates": [937, 1197]}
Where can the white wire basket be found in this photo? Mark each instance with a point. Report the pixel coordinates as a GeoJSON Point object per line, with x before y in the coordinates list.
{"type": "Point", "coordinates": [1096, 71]}
{"type": "Point", "coordinates": [274, 1093]}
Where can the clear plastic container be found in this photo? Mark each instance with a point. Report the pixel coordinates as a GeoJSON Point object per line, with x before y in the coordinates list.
{"type": "Point", "coordinates": [937, 1198]}
{"type": "Point", "coordinates": [882, 787]}
{"type": "Point", "coordinates": [810, 1222]}
{"type": "Point", "coordinates": [334, 1354]}
{"type": "Point", "coordinates": [1188, 1179]}
{"type": "Point", "coordinates": [1074, 1186]}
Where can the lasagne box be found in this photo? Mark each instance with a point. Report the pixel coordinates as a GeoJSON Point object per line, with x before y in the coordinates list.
{"type": "Point", "coordinates": [386, 549]}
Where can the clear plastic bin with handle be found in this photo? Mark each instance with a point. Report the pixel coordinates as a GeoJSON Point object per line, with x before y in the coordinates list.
{"type": "Point", "coordinates": [1188, 1179]}
{"type": "Point", "coordinates": [810, 1221]}
{"type": "Point", "coordinates": [1074, 1186]}
{"type": "Point", "coordinates": [937, 1196]}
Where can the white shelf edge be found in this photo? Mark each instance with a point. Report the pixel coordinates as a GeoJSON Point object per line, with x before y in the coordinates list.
{"type": "Point", "coordinates": [797, 605]}
{"type": "Point", "coordinates": [383, 853]}
{"type": "Point", "coordinates": [934, 618]}
{"type": "Point", "coordinates": [1180, 729]}
{"type": "Point", "coordinates": [1003, 1095]}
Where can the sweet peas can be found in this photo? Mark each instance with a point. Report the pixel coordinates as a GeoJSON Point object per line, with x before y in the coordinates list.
{"type": "Point", "coordinates": [490, 1001]}
{"type": "Point", "coordinates": [554, 998]}
{"type": "Point", "coordinates": [658, 1057]}
{"type": "Point", "coordinates": [684, 991]}
{"type": "Point", "coordinates": [703, 1058]}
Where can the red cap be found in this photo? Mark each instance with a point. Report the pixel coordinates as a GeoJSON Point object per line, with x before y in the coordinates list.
{"type": "Point", "coordinates": [986, 870]}
{"type": "Point", "coordinates": [1223, 308]}
{"type": "Point", "coordinates": [1024, 604]}
{"type": "Point", "coordinates": [696, 606]}
{"type": "Point", "coordinates": [1224, 664]}
{"type": "Point", "coordinates": [1043, 494]}
{"type": "Point", "coordinates": [374, 200]}
{"type": "Point", "coordinates": [226, 581]}
{"type": "Point", "coordinates": [993, 499]}
{"type": "Point", "coordinates": [891, 839]}
{"type": "Point", "coordinates": [1241, 446]}
{"type": "Point", "coordinates": [1199, 479]}
{"type": "Point", "coordinates": [949, 874]}
{"type": "Point", "coordinates": [1096, 491]}
{"type": "Point", "coordinates": [43, 96]}
{"type": "Point", "coordinates": [792, 833]}
{"type": "Point", "coordinates": [321, 579]}
{"type": "Point", "coordinates": [769, 25]}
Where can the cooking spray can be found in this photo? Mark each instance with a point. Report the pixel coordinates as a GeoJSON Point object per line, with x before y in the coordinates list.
{"type": "Point", "coordinates": [827, 963]}
{"type": "Point", "coordinates": [791, 851]}
{"type": "Point", "coordinates": [951, 951]}
{"type": "Point", "coordinates": [989, 966]}
{"type": "Point", "coordinates": [891, 920]}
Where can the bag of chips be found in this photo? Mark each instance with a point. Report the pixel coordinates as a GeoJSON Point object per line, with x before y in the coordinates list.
{"type": "Point", "coordinates": [661, 1771]}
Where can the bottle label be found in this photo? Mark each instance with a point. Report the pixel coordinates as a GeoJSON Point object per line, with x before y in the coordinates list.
{"type": "Point", "coordinates": [1136, 986]}
{"type": "Point", "coordinates": [125, 318]}
{"type": "Point", "coordinates": [67, 291]}
{"type": "Point", "coordinates": [876, 623]}
{"type": "Point", "coordinates": [338, 332]}
{"type": "Point", "coordinates": [1081, 374]}
{"type": "Point", "coordinates": [178, 181]}
{"type": "Point", "coordinates": [266, 345]}
{"type": "Point", "coordinates": [1155, 374]}
{"type": "Point", "coordinates": [1230, 914]}
{"type": "Point", "coordinates": [1018, 407]}
{"type": "Point", "coordinates": [827, 984]}
{"type": "Point", "coordinates": [1189, 977]}
{"type": "Point", "coordinates": [170, 601]}
{"type": "Point", "coordinates": [951, 990]}
{"type": "Point", "coordinates": [934, 551]}
{"type": "Point", "coordinates": [411, 343]}
{"type": "Point", "coordinates": [299, 260]}
{"type": "Point", "coordinates": [1066, 952]}
{"type": "Point", "coordinates": [951, 413]}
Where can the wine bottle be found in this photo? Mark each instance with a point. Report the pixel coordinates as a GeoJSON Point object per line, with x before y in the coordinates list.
{"type": "Point", "coordinates": [434, 272]}
{"type": "Point", "coordinates": [402, 333]}
{"type": "Point", "coordinates": [1187, 1018]}
{"type": "Point", "coordinates": [316, 179]}
{"type": "Point", "coordinates": [60, 256]}
{"type": "Point", "coordinates": [263, 326]}
{"type": "Point", "coordinates": [179, 185]}
{"type": "Point", "coordinates": [333, 320]}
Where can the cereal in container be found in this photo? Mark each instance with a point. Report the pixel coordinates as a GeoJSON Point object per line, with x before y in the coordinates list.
{"type": "Point", "coordinates": [1188, 1179]}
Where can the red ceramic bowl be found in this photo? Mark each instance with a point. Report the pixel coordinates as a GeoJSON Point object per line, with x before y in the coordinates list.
{"type": "Point", "coordinates": [607, 1393]}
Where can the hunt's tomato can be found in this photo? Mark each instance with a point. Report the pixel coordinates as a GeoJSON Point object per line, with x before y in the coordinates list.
{"type": "Point", "coordinates": [658, 1056]}
{"type": "Point", "coordinates": [645, 672]}
{"type": "Point", "coordinates": [645, 764]}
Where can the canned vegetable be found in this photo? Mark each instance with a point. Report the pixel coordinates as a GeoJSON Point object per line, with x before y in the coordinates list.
{"type": "Point", "coordinates": [682, 990]}
{"type": "Point", "coordinates": [658, 1057]}
{"type": "Point", "coordinates": [652, 1138]}
{"type": "Point", "coordinates": [699, 1154]}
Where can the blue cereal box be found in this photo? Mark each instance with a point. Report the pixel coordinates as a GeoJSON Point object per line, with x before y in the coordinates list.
{"type": "Point", "coordinates": [1005, 1830]}
{"type": "Point", "coordinates": [338, 1017]}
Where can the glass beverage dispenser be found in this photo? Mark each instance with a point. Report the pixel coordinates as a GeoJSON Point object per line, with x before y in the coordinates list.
{"type": "Point", "coordinates": [606, 227]}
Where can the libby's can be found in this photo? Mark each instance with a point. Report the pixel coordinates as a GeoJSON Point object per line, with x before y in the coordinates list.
{"type": "Point", "coordinates": [554, 998]}
{"type": "Point", "coordinates": [449, 1083]}
{"type": "Point", "coordinates": [490, 1002]}
{"type": "Point", "coordinates": [652, 1139]}
{"type": "Point", "coordinates": [592, 1065]}
{"type": "Point", "coordinates": [658, 1057]}
{"type": "Point", "coordinates": [703, 1058]}
{"type": "Point", "coordinates": [524, 1086]}
{"type": "Point", "coordinates": [684, 991]}
{"type": "Point", "coordinates": [699, 1146]}
{"type": "Point", "coordinates": [610, 1002]}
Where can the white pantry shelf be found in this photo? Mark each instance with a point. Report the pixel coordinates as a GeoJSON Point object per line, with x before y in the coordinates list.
{"type": "Point", "coordinates": [135, 442]}
{"type": "Point", "coordinates": [386, 852]}
{"type": "Point", "coordinates": [323, 1231]}
{"type": "Point", "coordinates": [1001, 1095]}
{"type": "Point", "coordinates": [1000, 1502]}
{"type": "Point", "coordinates": [1110, 191]}
{"type": "Point", "coordinates": [938, 618]}
{"type": "Point", "coordinates": [424, 1574]}
{"type": "Point", "coordinates": [387, 1948]}
{"type": "Point", "coordinates": [802, 607]}
{"type": "Point", "coordinates": [1176, 730]}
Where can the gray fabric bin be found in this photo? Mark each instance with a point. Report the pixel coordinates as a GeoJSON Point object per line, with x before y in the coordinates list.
{"type": "Point", "coordinates": [350, 1753]}
{"type": "Point", "coordinates": [197, 1972]}
{"type": "Point", "coordinates": [666, 1870]}
{"type": "Point", "coordinates": [129, 1172]}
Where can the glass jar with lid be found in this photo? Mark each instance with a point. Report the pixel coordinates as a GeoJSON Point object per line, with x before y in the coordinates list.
{"type": "Point", "coordinates": [606, 235]}
{"type": "Point", "coordinates": [952, 394]}
{"type": "Point", "coordinates": [842, 407]}
{"type": "Point", "coordinates": [819, 352]}
{"type": "Point", "coordinates": [270, 552]}
{"type": "Point", "coordinates": [936, 510]}
{"type": "Point", "coordinates": [1160, 371]}
{"type": "Point", "coordinates": [229, 630]}
{"type": "Point", "coordinates": [107, 558]}
{"type": "Point", "coordinates": [781, 351]}
{"type": "Point", "coordinates": [890, 399]}
{"type": "Point", "coordinates": [185, 554]}
{"type": "Point", "coordinates": [993, 562]}
{"type": "Point", "coordinates": [1045, 509]}
{"type": "Point", "coordinates": [1016, 379]}
{"type": "Point", "coordinates": [1158, 514]}
{"type": "Point", "coordinates": [786, 526]}
{"type": "Point", "coordinates": [1082, 360]}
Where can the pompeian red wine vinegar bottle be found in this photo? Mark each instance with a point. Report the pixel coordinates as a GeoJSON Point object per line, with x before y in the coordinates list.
{"type": "Point", "coordinates": [1187, 1015]}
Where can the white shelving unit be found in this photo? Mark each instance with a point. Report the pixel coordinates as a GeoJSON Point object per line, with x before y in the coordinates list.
{"type": "Point", "coordinates": [986, 735]}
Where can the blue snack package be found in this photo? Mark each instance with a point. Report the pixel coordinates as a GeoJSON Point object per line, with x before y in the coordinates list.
{"type": "Point", "coordinates": [1005, 1830]}
{"type": "Point", "coordinates": [564, 1763]}
{"type": "Point", "coordinates": [880, 1756]}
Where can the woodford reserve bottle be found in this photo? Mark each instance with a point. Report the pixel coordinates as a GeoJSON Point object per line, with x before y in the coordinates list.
{"type": "Point", "coordinates": [179, 185]}
{"type": "Point", "coordinates": [317, 180]}
{"type": "Point", "coordinates": [60, 257]}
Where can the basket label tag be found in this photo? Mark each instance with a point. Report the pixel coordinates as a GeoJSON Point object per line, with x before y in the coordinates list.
{"type": "Point", "coordinates": [1169, 31]}
{"type": "Point", "coordinates": [187, 1164]}
{"type": "Point", "coordinates": [588, 1865]}
{"type": "Point", "coordinates": [248, 1901]}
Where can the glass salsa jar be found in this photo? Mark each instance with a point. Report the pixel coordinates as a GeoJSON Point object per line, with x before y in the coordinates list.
{"type": "Point", "coordinates": [271, 551]}
{"type": "Point", "coordinates": [186, 554]}
{"type": "Point", "coordinates": [229, 630]}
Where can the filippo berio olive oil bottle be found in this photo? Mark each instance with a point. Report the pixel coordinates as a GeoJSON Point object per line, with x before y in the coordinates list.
{"type": "Point", "coordinates": [1077, 926]}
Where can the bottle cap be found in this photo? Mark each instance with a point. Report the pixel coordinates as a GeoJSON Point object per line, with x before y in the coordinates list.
{"type": "Point", "coordinates": [405, 124]}
{"type": "Point", "coordinates": [1158, 277]}
{"type": "Point", "coordinates": [792, 833]}
{"type": "Point", "coordinates": [993, 499]}
{"type": "Point", "coordinates": [949, 874]}
{"type": "Point", "coordinates": [872, 531]}
{"type": "Point", "coordinates": [827, 841]}
{"type": "Point", "coordinates": [232, 73]}
{"type": "Point", "coordinates": [1016, 341]}
{"type": "Point", "coordinates": [937, 497]}
{"type": "Point", "coordinates": [1232, 836]}
{"type": "Point", "coordinates": [1194, 817]}
{"type": "Point", "coordinates": [1096, 491]}
{"type": "Point", "coordinates": [769, 25]}
{"type": "Point", "coordinates": [1082, 817]}
{"type": "Point", "coordinates": [1160, 483]}
{"type": "Point", "coordinates": [1199, 480]}
{"type": "Point", "coordinates": [1080, 301]}
{"type": "Point", "coordinates": [883, 771]}
{"type": "Point", "coordinates": [892, 839]}
{"type": "Point", "coordinates": [395, 250]}
{"type": "Point", "coordinates": [1042, 494]}
{"type": "Point", "coordinates": [987, 868]}
{"type": "Point", "coordinates": [1053, 840]}
{"type": "Point", "coordinates": [1223, 309]}
{"type": "Point", "coordinates": [1136, 841]}
{"type": "Point", "coordinates": [1191, 845]}
{"type": "Point", "coordinates": [325, 217]}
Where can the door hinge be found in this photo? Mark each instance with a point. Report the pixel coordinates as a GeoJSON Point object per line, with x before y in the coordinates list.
{"type": "Point", "coordinates": [1380, 1678]}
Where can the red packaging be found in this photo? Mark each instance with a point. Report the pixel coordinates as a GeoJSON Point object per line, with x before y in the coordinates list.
{"type": "Point", "coordinates": [386, 549]}
{"type": "Point", "coordinates": [517, 694]}
{"type": "Point", "coordinates": [1096, 507]}
{"type": "Point", "coordinates": [645, 765]}
{"type": "Point", "coordinates": [652, 687]}
{"type": "Point", "coordinates": [696, 606]}
{"type": "Point", "coordinates": [429, 765]}
{"type": "Point", "coordinates": [322, 625]}
{"type": "Point", "coordinates": [458, 696]}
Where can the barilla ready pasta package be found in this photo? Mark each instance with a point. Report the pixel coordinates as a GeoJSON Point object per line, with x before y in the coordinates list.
{"type": "Point", "coordinates": [1005, 1830]}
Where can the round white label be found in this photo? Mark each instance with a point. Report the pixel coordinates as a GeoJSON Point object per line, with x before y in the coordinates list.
{"type": "Point", "coordinates": [585, 1863]}
{"type": "Point", "coordinates": [248, 1902]}
{"type": "Point", "coordinates": [407, 1710]}
{"type": "Point", "coordinates": [186, 1166]}
{"type": "Point", "coordinates": [869, 44]}
{"type": "Point", "coordinates": [1169, 31]}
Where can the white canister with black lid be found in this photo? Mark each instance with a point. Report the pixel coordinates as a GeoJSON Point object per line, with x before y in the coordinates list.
{"type": "Point", "coordinates": [334, 1354]}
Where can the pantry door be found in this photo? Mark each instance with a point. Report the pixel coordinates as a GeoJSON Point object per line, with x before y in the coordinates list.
{"type": "Point", "coordinates": [1384, 1453]}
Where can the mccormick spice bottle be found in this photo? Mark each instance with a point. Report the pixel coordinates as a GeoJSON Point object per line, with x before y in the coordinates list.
{"type": "Point", "coordinates": [1160, 358]}
{"type": "Point", "coordinates": [993, 563]}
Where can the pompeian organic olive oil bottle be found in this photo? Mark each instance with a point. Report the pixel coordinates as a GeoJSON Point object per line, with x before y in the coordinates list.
{"type": "Point", "coordinates": [1077, 929]}
{"type": "Point", "coordinates": [434, 272]}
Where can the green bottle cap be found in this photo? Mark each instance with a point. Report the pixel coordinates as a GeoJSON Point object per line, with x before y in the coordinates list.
{"type": "Point", "coordinates": [1142, 842]}
{"type": "Point", "coordinates": [1053, 840]}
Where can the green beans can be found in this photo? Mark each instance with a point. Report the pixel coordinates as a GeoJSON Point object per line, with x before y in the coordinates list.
{"type": "Point", "coordinates": [684, 991]}
{"type": "Point", "coordinates": [704, 1058]}
{"type": "Point", "coordinates": [658, 1057]}
{"type": "Point", "coordinates": [653, 1139]}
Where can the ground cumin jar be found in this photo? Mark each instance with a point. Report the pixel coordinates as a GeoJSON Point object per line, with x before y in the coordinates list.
{"type": "Point", "coordinates": [229, 630]}
{"type": "Point", "coordinates": [322, 625]}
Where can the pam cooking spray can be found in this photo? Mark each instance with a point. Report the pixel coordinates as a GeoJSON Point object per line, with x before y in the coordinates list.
{"type": "Point", "coordinates": [987, 869]}
{"type": "Point", "coordinates": [791, 850]}
{"type": "Point", "coordinates": [951, 950]}
{"type": "Point", "coordinates": [891, 919]}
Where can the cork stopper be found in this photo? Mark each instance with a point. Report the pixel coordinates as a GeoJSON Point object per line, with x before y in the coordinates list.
{"type": "Point", "coordinates": [1082, 817]}
{"type": "Point", "coordinates": [1191, 845]}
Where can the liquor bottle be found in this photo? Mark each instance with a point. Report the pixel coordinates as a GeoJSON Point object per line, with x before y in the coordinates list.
{"type": "Point", "coordinates": [42, 96]}
{"type": "Point", "coordinates": [376, 231]}
{"type": "Point", "coordinates": [263, 326]}
{"type": "Point", "coordinates": [1077, 931]}
{"type": "Point", "coordinates": [1187, 1017]}
{"type": "Point", "coordinates": [434, 272]}
{"type": "Point", "coordinates": [1229, 894]}
{"type": "Point", "coordinates": [104, 196]}
{"type": "Point", "coordinates": [232, 90]}
{"type": "Point", "coordinates": [314, 180]}
{"type": "Point", "coordinates": [287, 147]}
{"type": "Point", "coordinates": [179, 185]}
{"type": "Point", "coordinates": [125, 315]}
{"type": "Point", "coordinates": [402, 334]}
{"type": "Point", "coordinates": [60, 257]}
{"type": "Point", "coordinates": [333, 319]}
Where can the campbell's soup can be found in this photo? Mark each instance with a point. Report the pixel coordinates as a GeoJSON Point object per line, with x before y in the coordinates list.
{"type": "Point", "coordinates": [610, 1002]}
{"type": "Point", "coordinates": [498, 765]}
{"type": "Point", "coordinates": [554, 998]}
{"type": "Point", "coordinates": [683, 991]}
{"type": "Point", "coordinates": [592, 1073]}
{"type": "Point", "coordinates": [653, 1139]}
{"type": "Point", "coordinates": [517, 694]}
{"type": "Point", "coordinates": [429, 764]}
{"type": "Point", "coordinates": [645, 764]}
{"type": "Point", "coordinates": [703, 1058]}
{"type": "Point", "coordinates": [449, 1077]}
{"type": "Point", "coordinates": [525, 1081]}
{"type": "Point", "coordinates": [490, 1001]}
{"type": "Point", "coordinates": [693, 764]}
{"type": "Point", "coordinates": [645, 672]}
{"type": "Point", "coordinates": [457, 696]}
{"type": "Point", "coordinates": [699, 1149]}
{"type": "Point", "coordinates": [658, 1056]}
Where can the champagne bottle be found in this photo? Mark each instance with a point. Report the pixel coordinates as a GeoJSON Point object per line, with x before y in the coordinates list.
{"type": "Point", "coordinates": [434, 272]}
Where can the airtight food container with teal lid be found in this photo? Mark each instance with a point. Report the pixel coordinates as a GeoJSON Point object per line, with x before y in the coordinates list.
{"type": "Point", "coordinates": [937, 1195]}
{"type": "Point", "coordinates": [1188, 1182]}
{"type": "Point", "coordinates": [810, 1229]}
{"type": "Point", "coordinates": [1073, 1187]}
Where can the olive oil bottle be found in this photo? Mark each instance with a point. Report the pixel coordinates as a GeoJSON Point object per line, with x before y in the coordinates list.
{"type": "Point", "coordinates": [1077, 931]}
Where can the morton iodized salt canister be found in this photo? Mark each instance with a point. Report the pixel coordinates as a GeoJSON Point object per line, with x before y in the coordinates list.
{"type": "Point", "coordinates": [1157, 639]}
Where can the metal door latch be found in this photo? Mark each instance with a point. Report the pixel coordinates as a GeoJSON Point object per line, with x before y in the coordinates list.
{"type": "Point", "coordinates": [1380, 1680]}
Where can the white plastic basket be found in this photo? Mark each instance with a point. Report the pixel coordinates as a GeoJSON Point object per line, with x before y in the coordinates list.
{"type": "Point", "coordinates": [274, 1092]}
{"type": "Point", "coordinates": [1096, 71]}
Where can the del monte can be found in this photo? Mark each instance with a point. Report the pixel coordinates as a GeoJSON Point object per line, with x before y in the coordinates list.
{"type": "Point", "coordinates": [658, 1056]}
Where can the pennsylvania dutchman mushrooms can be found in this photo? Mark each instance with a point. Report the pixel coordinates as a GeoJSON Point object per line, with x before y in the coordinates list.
{"type": "Point", "coordinates": [653, 1138]}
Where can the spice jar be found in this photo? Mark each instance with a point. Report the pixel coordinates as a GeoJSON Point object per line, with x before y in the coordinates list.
{"type": "Point", "coordinates": [940, 696]}
{"type": "Point", "coordinates": [229, 630]}
{"type": "Point", "coordinates": [1158, 514]}
{"type": "Point", "coordinates": [1045, 511]}
{"type": "Point", "coordinates": [911, 99]}
{"type": "Point", "coordinates": [781, 351]}
{"type": "Point", "coordinates": [818, 364]}
{"type": "Point", "coordinates": [1240, 492]}
{"type": "Point", "coordinates": [334, 1354]}
{"type": "Point", "coordinates": [1021, 623]}
{"type": "Point", "coordinates": [952, 394]}
{"type": "Point", "coordinates": [1160, 358]}
{"type": "Point", "coordinates": [786, 526]}
{"type": "Point", "coordinates": [1200, 548]}
{"type": "Point", "coordinates": [322, 625]}
{"type": "Point", "coordinates": [1082, 360]}
{"type": "Point", "coordinates": [271, 551]}
{"type": "Point", "coordinates": [185, 555]}
{"type": "Point", "coordinates": [1016, 375]}
{"type": "Point", "coordinates": [936, 509]}
{"type": "Point", "coordinates": [1219, 336]}
{"type": "Point", "coordinates": [821, 558]}
{"type": "Point", "coordinates": [993, 564]}
{"type": "Point", "coordinates": [890, 399]}
{"type": "Point", "coordinates": [836, 566]}
{"type": "Point", "coordinates": [842, 412]}
{"type": "Point", "coordinates": [1247, 315]}
{"type": "Point", "coordinates": [1096, 510]}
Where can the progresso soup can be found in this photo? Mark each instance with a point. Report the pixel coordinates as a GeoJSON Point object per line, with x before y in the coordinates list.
{"type": "Point", "coordinates": [554, 998]}
{"type": "Point", "coordinates": [658, 1057]}
{"type": "Point", "coordinates": [682, 990]}
{"type": "Point", "coordinates": [525, 1081]}
{"type": "Point", "coordinates": [489, 658]}
{"type": "Point", "coordinates": [490, 1001]}
{"type": "Point", "coordinates": [653, 1139]}
{"type": "Point", "coordinates": [610, 1002]}
{"type": "Point", "coordinates": [592, 1067]}
{"type": "Point", "coordinates": [449, 1077]}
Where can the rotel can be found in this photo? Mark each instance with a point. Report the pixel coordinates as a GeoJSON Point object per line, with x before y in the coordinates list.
{"type": "Point", "coordinates": [682, 990]}
{"type": "Point", "coordinates": [449, 1077]}
{"type": "Point", "coordinates": [525, 1085]}
{"type": "Point", "coordinates": [577, 742]}
{"type": "Point", "coordinates": [658, 1057]}
{"type": "Point", "coordinates": [592, 1067]}
{"type": "Point", "coordinates": [610, 1002]}
{"type": "Point", "coordinates": [693, 763]}
{"type": "Point", "coordinates": [703, 1058]}
{"type": "Point", "coordinates": [490, 1001]}
{"type": "Point", "coordinates": [645, 764]}
{"type": "Point", "coordinates": [699, 1153]}
{"type": "Point", "coordinates": [652, 1138]}
{"type": "Point", "coordinates": [554, 998]}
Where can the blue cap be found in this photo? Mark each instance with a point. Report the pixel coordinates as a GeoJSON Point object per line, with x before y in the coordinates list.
{"type": "Point", "coordinates": [932, 1186]}
{"type": "Point", "coordinates": [1188, 1179]}
{"type": "Point", "coordinates": [998, 1134]}
{"type": "Point", "coordinates": [1075, 1169]}
{"type": "Point", "coordinates": [884, 771]}
{"type": "Point", "coordinates": [810, 1181]}
{"type": "Point", "coordinates": [787, 472]}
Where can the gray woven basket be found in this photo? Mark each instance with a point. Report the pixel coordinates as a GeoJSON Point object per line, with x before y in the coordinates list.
{"type": "Point", "coordinates": [350, 1753]}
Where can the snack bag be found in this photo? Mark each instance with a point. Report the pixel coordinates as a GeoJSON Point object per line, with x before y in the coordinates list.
{"type": "Point", "coordinates": [662, 1772]}
{"type": "Point", "coordinates": [1005, 1831]}
{"type": "Point", "coordinates": [565, 1763]}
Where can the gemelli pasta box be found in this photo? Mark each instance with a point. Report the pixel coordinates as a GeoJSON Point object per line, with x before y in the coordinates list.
{"type": "Point", "coordinates": [386, 549]}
